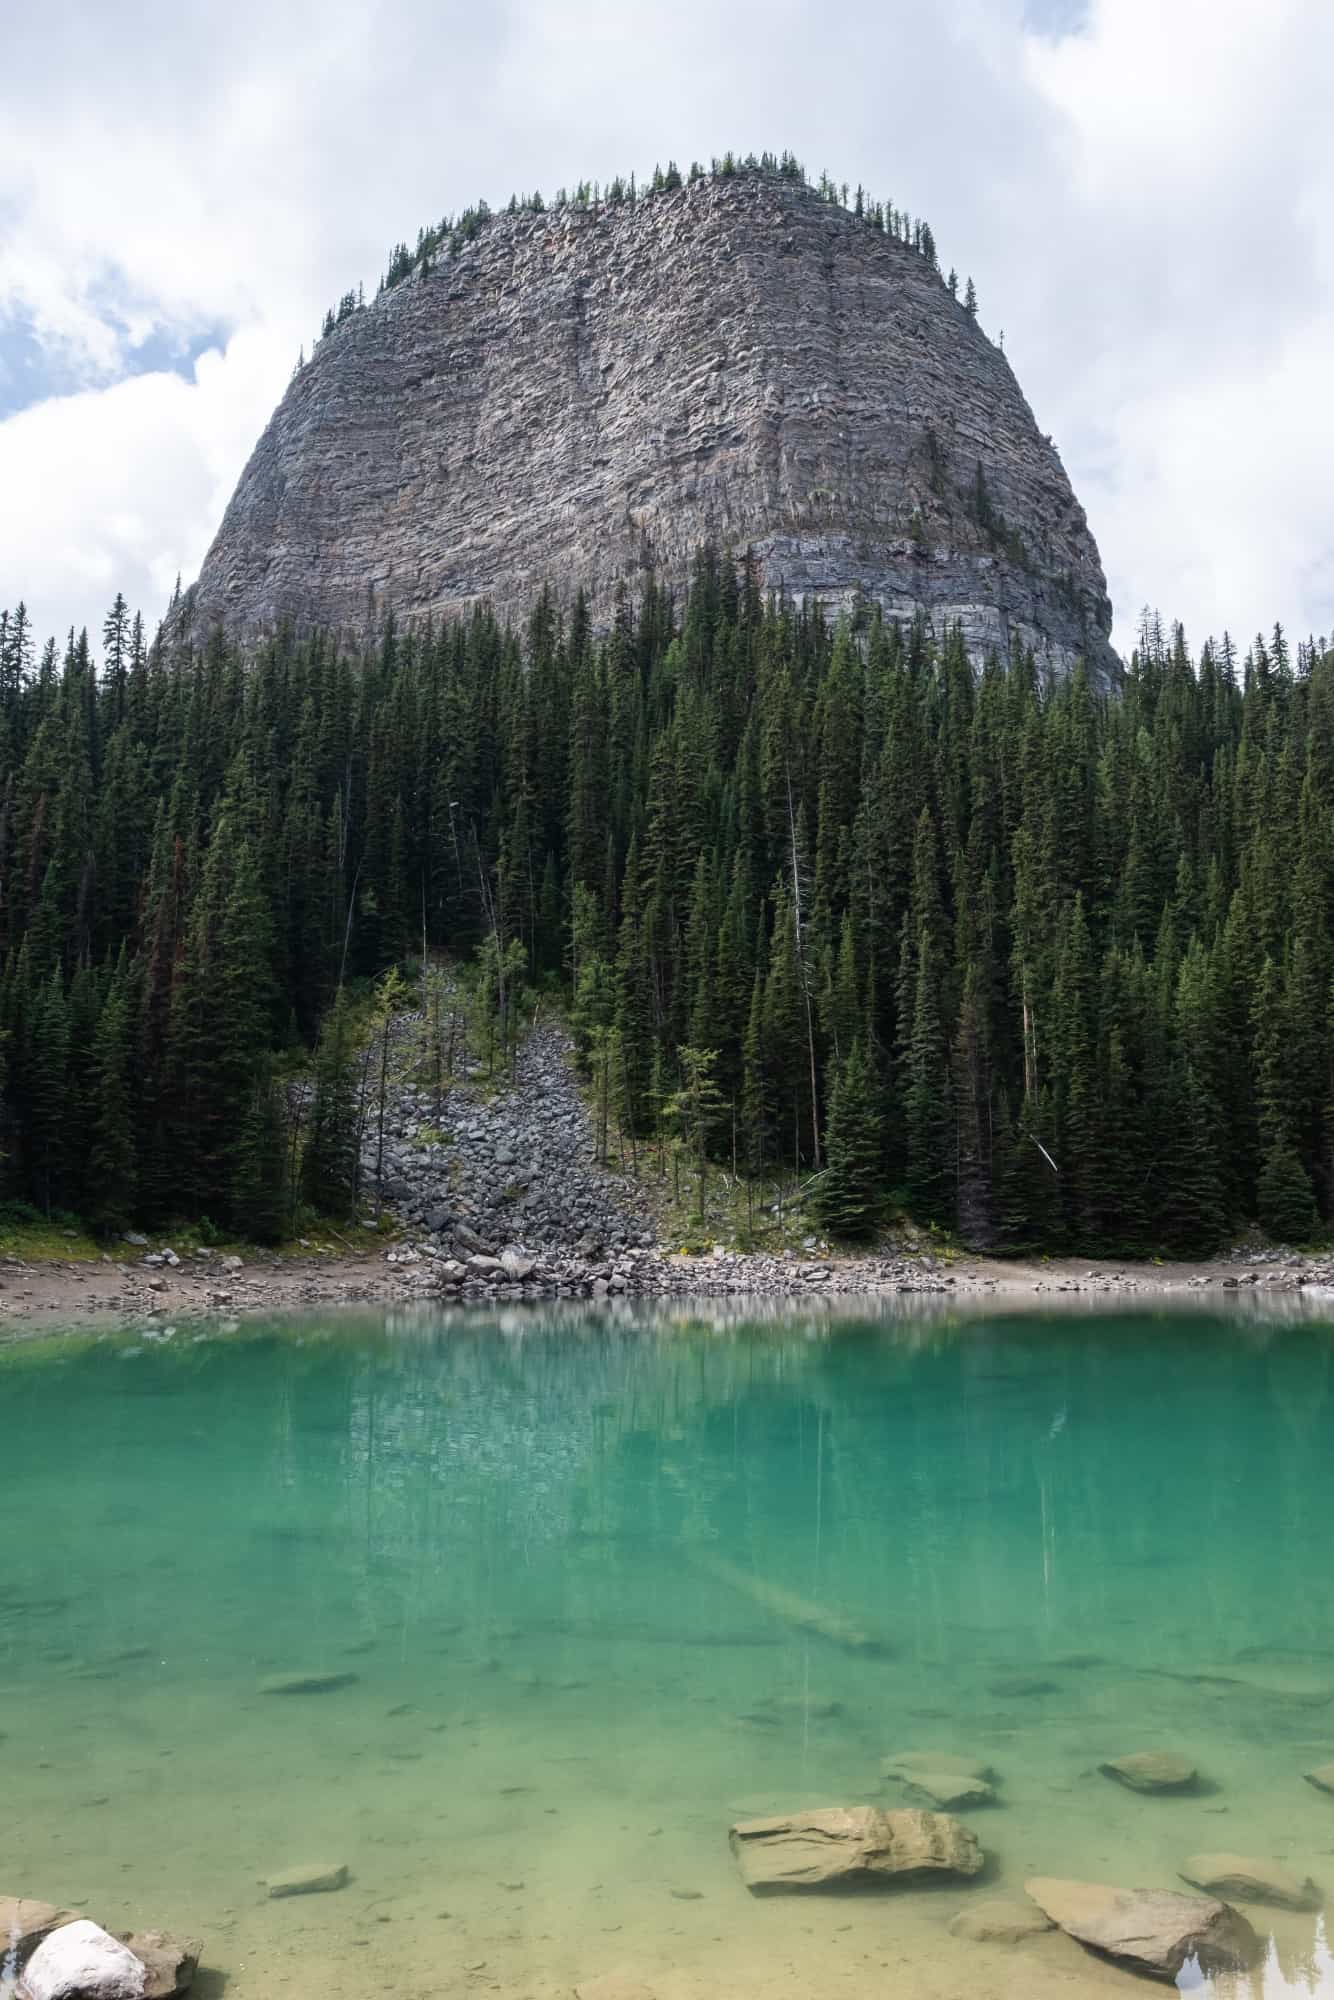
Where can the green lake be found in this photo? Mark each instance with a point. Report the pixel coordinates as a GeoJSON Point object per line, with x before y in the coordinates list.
{"type": "Point", "coordinates": [596, 1585]}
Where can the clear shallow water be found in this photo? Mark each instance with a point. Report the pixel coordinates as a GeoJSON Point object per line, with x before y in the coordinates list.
{"type": "Point", "coordinates": [547, 1545]}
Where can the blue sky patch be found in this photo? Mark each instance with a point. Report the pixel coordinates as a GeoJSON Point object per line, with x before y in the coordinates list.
{"type": "Point", "coordinates": [30, 371]}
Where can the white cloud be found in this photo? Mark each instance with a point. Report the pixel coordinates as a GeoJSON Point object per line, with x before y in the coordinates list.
{"type": "Point", "coordinates": [1147, 204]}
{"type": "Point", "coordinates": [121, 488]}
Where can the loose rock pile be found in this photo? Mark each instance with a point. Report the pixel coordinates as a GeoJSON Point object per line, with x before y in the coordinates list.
{"type": "Point", "coordinates": [509, 1200]}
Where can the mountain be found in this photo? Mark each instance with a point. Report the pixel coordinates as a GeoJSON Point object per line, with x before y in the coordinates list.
{"type": "Point", "coordinates": [583, 394]}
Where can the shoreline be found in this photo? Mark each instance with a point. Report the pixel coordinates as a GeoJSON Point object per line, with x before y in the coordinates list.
{"type": "Point", "coordinates": [34, 1293]}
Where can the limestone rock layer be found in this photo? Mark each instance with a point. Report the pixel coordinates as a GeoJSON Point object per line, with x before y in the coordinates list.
{"type": "Point", "coordinates": [579, 398]}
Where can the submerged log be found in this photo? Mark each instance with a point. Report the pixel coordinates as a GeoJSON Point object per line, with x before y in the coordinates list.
{"type": "Point", "coordinates": [806, 1615]}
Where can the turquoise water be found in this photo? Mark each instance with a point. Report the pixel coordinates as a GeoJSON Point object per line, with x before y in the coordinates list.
{"type": "Point", "coordinates": [593, 1583]}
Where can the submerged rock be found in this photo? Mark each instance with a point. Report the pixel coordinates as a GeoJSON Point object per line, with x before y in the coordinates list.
{"type": "Point", "coordinates": [837, 1846]}
{"type": "Point", "coordinates": [313, 1881]}
{"type": "Point", "coordinates": [912, 1763]}
{"type": "Point", "coordinates": [170, 1964]}
{"type": "Point", "coordinates": [1153, 1930]}
{"type": "Point", "coordinates": [1303, 1685]}
{"type": "Point", "coordinates": [1153, 1771]}
{"type": "Point", "coordinates": [1021, 1687]}
{"type": "Point", "coordinates": [24, 1923]}
{"type": "Point", "coordinates": [81, 1961]}
{"type": "Point", "coordinates": [1001, 1923]}
{"type": "Point", "coordinates": [306, 1683]}
{"type": "Point", "coordinates": [1322, 1777]}
{"type": "Point", "coordinates": [947, 1792]}
{"type": "Point", "coordinates": [1251, 1881]}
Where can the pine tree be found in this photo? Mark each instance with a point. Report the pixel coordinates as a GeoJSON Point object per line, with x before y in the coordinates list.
{"type": "Point", "coordinates": [694, 1113]}
{"type": "Point", "coordinates": [257, 1195]}
{"type": "Point", "coordinates": [1284, 1201]}
{"type": "Point", "coordinates": [330, 1164]}
{"type": "Point", "coordinates": [112, 1161]}
{"type": "Point", "coordinates": [48, 1135]}
{"type": "Point", "coordinates": [928, 1116]}
{"type": "Point", "coordinates": [849, 1197]}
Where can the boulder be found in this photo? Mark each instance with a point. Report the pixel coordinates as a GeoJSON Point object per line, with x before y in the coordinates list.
{"type": "Point", "coordinates": [1152, 1930]}
{"type": "Point", "coordinates": [81, 1961]}
{"type": "Point", "coordinates": [466, 1239]}
{"type": "Point", "coordinates": [316, 1880]}
{"type": "Point", "coordinates": [517, 1265]}
{"type": "Point", "coordinates": [1251, 1881]}
{"type": "Point", "coordinates": [168, 1962]}
{"type": "Point", "coordinates": [1153, 1771]}
{"type": "Point", "coordinates": [25, 1923]}
{"type": "Point", "coordinates": [1322, 1777]}
{"type": "Point", "coordinates": [842, 1846]}
{"type": "Point", "coordinates": [1001, 1923]}
{"type": "Point", "coordinates": [911, 1763]}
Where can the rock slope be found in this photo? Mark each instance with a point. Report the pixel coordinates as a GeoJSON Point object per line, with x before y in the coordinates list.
{"type": "Point", "coordinates": [509, 1200]}
{"type": "Point", "coordinates": [580, 397]}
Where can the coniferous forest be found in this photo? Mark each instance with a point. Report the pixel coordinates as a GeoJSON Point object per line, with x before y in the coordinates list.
{"type": "Point", "coordinates": [1046, 968]}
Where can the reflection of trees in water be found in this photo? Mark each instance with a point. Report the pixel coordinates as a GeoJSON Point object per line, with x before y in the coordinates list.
{"type": "Point", "coordinates": [1024, 1479]}
{"type": "Point", "coordinates": [1307, 1977]}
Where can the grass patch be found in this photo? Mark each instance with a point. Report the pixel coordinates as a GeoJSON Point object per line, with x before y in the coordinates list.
{"type": "Point", "coordinates": [49, 1243]}
{"type": "Point", "coordinates": [431, 1135]}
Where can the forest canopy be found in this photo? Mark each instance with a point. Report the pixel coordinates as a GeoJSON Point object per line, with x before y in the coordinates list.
{"type": "Point", "coordinates": [1048, 968]}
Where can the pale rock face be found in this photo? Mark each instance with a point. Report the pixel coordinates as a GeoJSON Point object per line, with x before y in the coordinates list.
{"type": "Point", "coordinates": [81, 1961]}
{"type": "Point", "coordinates": [1154, 1931]}
{"type": "Point", "coordinates": [840, 1846]}
{"type": "Point", "coordinates": [579, 398]}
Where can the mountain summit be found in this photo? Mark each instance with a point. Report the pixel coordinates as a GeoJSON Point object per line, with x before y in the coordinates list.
{"type": "Point", "coordinates": [584, 394]}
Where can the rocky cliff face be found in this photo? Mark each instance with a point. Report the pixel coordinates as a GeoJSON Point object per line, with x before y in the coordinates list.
{"type": "Point", "coordinates": [579, 398]}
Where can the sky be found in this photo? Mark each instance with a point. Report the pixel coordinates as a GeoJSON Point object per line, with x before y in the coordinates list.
{"type": "Point", "coordinates": [1143, 191]}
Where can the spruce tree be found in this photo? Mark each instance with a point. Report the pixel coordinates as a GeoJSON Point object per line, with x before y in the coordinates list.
{"type": "Point", "coordinates": [330, 1164]}
{"type": "Point", "coordinates": [49, 1135]}
{"type": "Point", "coordinates": [849, 1197]}
{"type": "Point", "coordinates": [1284, 1201]}
{"type": "Point", "coordinates": [112, 1161]}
